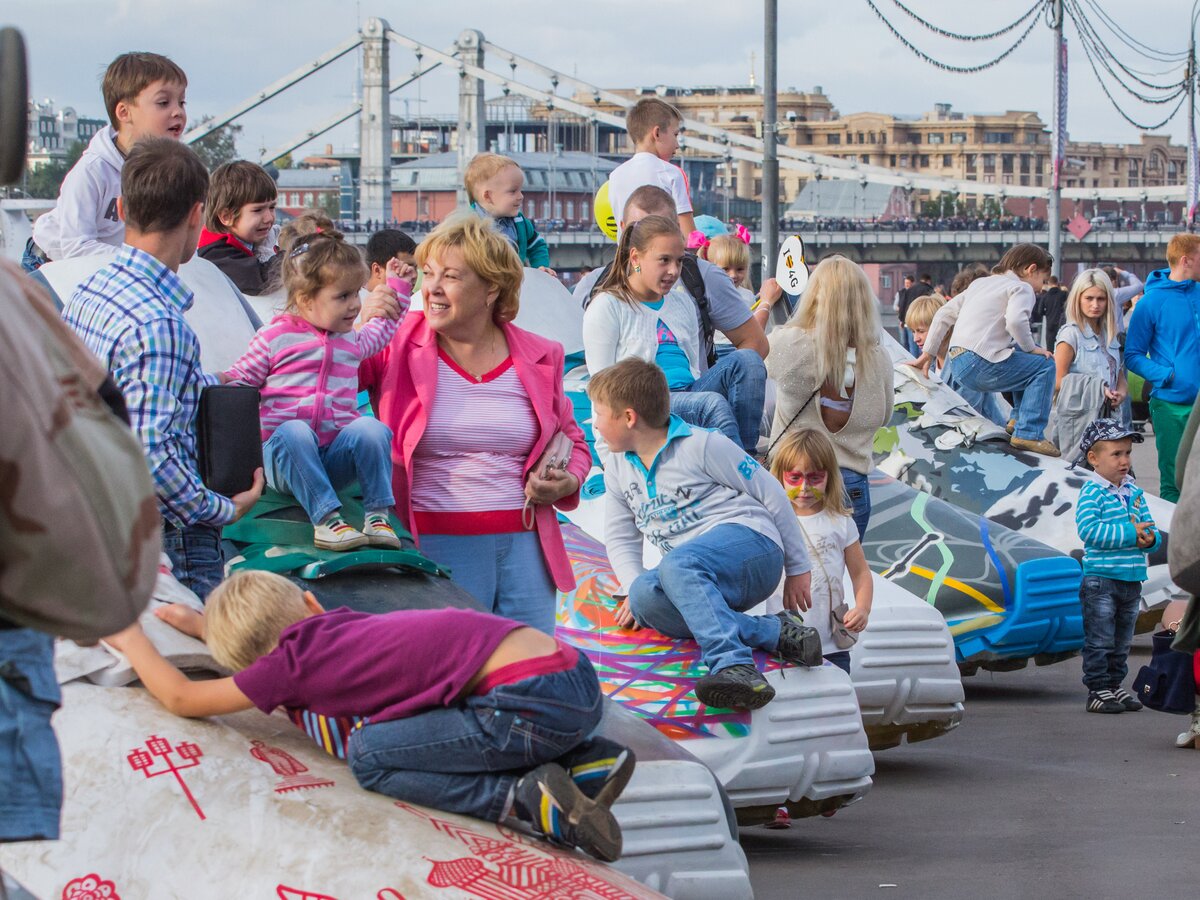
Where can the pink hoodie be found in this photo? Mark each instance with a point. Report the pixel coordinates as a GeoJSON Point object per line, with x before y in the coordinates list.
{"type": "Point", "coordinates": [307, 373]}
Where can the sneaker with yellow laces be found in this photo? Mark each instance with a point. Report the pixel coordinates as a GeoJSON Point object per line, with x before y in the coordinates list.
{"type": "Point", "coordinates": [379, 531]}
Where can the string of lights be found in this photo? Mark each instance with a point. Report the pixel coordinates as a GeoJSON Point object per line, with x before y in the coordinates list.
{"type": "Point", "coordinates": [1096, 44]}
{"type": "Point", "coordinates": [1177, 56]}
{"type": "Point", "coordinates": [948, 67]}
{"type": "Point", "coordinates": [1012, 26]}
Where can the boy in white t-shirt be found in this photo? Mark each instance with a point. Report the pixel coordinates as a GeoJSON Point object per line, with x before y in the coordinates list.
{"type": "Point", "coordinates": [653, 126]}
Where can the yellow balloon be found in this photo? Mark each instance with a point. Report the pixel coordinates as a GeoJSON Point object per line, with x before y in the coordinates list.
{"type": "Point", "coordinates": [602, 207]}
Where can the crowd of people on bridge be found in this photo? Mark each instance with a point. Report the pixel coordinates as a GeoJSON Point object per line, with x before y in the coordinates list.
{"type": "Point", "coordinates": [474, 448]}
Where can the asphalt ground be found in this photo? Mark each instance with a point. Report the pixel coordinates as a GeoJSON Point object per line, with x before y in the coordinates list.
{"type": "Point", "coordinates": [1031, 797]}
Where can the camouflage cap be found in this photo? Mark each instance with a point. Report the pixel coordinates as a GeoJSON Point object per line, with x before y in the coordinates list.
{"type": "Point", "coordinates": [1106, 430]}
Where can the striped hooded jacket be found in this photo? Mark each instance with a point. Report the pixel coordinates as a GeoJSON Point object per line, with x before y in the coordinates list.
{"type": "Point", "coordinates": [307, 373]}
{"type": "Point", "coordinates": [1104, 520]}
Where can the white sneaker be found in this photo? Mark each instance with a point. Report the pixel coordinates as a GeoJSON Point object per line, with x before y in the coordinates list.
{"type": "Point", "coordinates": [379, 531]}
{"type": "Point", "coordinates": [335, 533]}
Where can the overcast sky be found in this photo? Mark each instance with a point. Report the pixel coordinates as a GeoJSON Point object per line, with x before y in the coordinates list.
{"type": "Point", "coordinates": [232, 50]}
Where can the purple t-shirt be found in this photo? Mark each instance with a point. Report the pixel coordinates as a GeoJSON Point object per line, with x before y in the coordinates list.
{"type": "Point", "coordinates": [344, 663]}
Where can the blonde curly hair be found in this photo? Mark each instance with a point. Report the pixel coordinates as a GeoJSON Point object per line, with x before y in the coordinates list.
{"type": "Point", "coordinates": [486, 252]}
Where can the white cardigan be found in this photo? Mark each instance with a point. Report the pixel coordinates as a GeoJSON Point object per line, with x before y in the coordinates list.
{"type": "Point", "coordinates": [988, 318]}
{"type": "Point", "coordinates": [614, 330]}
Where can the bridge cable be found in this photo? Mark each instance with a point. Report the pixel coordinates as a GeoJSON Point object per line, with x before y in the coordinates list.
{"type": "Point", "coordinates": [961, 70]}
{"type": "Point", "coordinates": [969, 37]}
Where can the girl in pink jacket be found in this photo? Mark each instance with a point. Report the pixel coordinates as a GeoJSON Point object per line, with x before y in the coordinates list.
{"type": "Point", "coordinates": [306, 362]}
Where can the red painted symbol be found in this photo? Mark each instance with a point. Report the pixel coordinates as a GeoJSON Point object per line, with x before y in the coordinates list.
{"type": "Point", "coordinates": [189, 753]}
{"type": "Point", "coordinates": [283, 892]}
{"type": "Point", "coordinates": [290, 769]}
{"type": "Point", "coordinates": [90, 887]}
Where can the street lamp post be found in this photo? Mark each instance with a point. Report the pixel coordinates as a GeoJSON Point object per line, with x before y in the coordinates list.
{"type": "Point", "coordinates": [1193, 170]}
{"type": "Point", "coordinates": [770, 180]}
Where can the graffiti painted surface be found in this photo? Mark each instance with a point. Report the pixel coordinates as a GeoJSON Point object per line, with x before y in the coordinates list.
{"type": "Point", "coordinates": [648, 673]}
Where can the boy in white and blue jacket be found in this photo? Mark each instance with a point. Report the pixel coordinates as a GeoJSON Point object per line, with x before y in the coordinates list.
{"type": "Point", "coordinates": [1117, 531]}
{"type": "Point", "coordinates": [725, 527]}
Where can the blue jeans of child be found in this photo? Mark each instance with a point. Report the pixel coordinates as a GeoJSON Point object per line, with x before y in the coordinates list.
{"type": "Point", "coordinates": [31, 786]}
{"type": "Point", "coordinates": [858, 492]}
{"type": "Point", "coordinates": [739, 383]}
{"type": "Point", "coordinates": [1110, 609]}
{"type": "Point", "coordinates": [840, 658]}
{"type": "Point", "coordinates": [197, 560]}
{"type": "Point", "coordinates": [296, 464]}
{"type": "Point", "coordinates": [701, 588]}
{"type": "Point", "coordinates": [467, 757]}
{"type": "Point", "coordinates": [505, 572]}
{"type": "Point", "coordinates": [987, 405]}
{"type": "Point", "coordinates": [1028, 376]}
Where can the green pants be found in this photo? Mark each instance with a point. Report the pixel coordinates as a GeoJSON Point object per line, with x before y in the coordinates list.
{"type": "Point", "coordinates": [1169, 420]}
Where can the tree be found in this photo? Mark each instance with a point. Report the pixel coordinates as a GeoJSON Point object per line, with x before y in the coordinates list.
{"type": "Point", "coordinates": [218, 147]}
{"type": "Point", "coordinates": [45, 181]}
{"type": "Point", "coordinates": [283, 162]}
{"type": "Point", "coordinates": [330, 205]}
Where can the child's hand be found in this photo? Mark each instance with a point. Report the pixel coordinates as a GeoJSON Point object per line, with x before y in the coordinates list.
{"type": "Point", "coordinates": [1145, 533]}
{"type": "Point", "coordinates": [182, 618]}
{"type": "Point", "coordinates": [548, 270]}
{"type": "Point", "coordinates": [856, 618]}
{"type": "Point", "coordinates": [770, 292]}
{"type": "Point", "coordinates": [922, 362]}
{"type": "Point", "coordinates": [624, 616]}
{"type": "Point", "coordinates": [797, 592]}
{"type": "Point", "coordinates": [121, 639]}
{"type": "Point", "coordinates": [402, 270]}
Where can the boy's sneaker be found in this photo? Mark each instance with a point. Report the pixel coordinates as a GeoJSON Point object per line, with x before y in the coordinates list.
{"type": "Point", "coordinates": [600, 768]}
{"type": "Point", "coordinates": [548, 801]}
{"type": "Point", "coordinates": [798, 643]}
{"type": "Point", "coordinates": [1044, 447]}
{"type": "Point", "coordinates": [1128, 702]}
{"type": "Point", "coordinates": [335, 533]}
{"type": "Point", "coordinates": [736, 687]}
{"type": "Point", "coordinates": [379, 531]}
{"type": "Point", "coordinates": [1104, 702]}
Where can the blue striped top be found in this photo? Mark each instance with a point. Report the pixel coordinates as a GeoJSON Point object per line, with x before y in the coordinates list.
{"type": "Point", "coordinates": [1104, 521]}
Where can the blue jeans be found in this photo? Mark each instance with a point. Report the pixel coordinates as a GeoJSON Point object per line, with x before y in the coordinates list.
{"type": "Point", "coordinates": [858, 494]}
{"type": "Point", "coordinates": [1110, 610]}
{"type": "Point", "coordinates": [31, 787]}
{"type": "Point", "coordinates": [506, 573]}
{"type": "Point", "coordinates": [700, 589]}
{"type": "Point", "coordinates": [987, 405]}
{"type": "Point", "coordinates": [841, 659]}
{"type": "Point", "coordinates": [32, 258]}
{"type": "Point", "coordinates": [197, 560]}
{"type": "Point", "coordinates": [467, 757]}
{"type": "Point", "coordinates": [909, 342]}
{"type": "Point", "coordinates": [296, 464]}
{"type": "Point", "coordinates": [739, 383]}
{"type": "Point", "coordinates": [1029, 377]}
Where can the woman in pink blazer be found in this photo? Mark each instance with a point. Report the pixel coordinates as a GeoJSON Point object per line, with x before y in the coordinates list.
{"type": "Point", "coordinates": [474, 404]}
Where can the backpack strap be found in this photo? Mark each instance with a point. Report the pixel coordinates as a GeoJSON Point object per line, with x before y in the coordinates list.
{"type": "Point", "coordinates": [591, 295]}
{"type": "Point", "coordinates": [693, 280]}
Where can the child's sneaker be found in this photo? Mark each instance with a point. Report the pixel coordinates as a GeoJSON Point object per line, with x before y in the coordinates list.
{"type": "Point", "coordinates": [600, 768]}
{"type": "Point", "coordinates": [548, 801]}
{"type": "Point", "coordinates": [736, 687]}
{"type": "Point", "coordinates": [798, 643]}
{"type": "Point", "coordinates": [1104, 702]}
{"type": "Point", "coordinates": [379, 531]}
{"type": "Point", "coordinates": [1128, 702]}
{"type": "Point", "coordinates": [335, 533]}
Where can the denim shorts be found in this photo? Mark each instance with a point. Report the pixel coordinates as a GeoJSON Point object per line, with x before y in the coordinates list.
{"type": "Point", "coordinates": [30, 767]}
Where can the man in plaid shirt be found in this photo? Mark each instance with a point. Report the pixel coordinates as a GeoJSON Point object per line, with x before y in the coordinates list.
{"type": "Point", "coordinates": [130, 314]}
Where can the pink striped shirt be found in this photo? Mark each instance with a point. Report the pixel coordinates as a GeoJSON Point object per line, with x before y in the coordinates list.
{"type": "Point", "coordinates": [468, 469]}
{"type": "Point", "coordinates": [307, 373]}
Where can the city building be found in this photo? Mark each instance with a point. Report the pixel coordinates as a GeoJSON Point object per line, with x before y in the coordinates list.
{"type": "Point", "coordinates": [309, 188]}
{"type": "Point", "coordinates": [52, 132]}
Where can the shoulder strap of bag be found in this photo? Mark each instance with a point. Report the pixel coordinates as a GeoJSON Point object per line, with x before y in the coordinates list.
{"type": "Point", "coordinates": [693, 280]}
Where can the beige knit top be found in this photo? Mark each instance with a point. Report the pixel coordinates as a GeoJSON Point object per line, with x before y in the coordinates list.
{"type": "Point", "coordinates": [792, 363]}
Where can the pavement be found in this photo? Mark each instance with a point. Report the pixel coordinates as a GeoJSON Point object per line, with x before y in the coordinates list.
{"type": "Point", "coordinates": [1031, 797]}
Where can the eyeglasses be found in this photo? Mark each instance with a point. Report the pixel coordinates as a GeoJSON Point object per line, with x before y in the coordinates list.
{"type": "Point", "coordinates": [813, 479]}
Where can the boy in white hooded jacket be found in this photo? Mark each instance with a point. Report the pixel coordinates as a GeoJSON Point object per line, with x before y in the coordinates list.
{"type": "Point", "coordinates": [144, 97]}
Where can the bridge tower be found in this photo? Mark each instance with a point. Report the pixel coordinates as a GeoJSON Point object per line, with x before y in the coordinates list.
{"type": "Point", "coordinates": [375, 126]}
{"type": "Point", "coordinates": [472, 111]}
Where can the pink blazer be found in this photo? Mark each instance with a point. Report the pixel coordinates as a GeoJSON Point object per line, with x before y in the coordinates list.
{"type": "Point", "coordinates": [401, 381]}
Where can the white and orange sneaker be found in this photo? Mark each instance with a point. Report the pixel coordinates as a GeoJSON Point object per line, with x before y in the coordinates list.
{"type": "Point", "coordinates": [379, 531]}
{"type": "Point", "coordinates": [335, 533]}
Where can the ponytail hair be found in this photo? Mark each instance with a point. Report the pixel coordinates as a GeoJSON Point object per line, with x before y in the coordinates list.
{"type": "Point", "coordinates": [1021, 256]}
{"type": "Point", "coordinates": [314, 254]}
{"type": "Point", "coordinates": [637, 236]}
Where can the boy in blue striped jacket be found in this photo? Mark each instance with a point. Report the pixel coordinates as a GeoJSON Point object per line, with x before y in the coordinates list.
{"type": "Point", "coordinates": [1116, 528]}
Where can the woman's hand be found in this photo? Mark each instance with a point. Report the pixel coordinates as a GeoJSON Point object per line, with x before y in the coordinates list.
{"type": "Point", "coordinates": [550, 487]}
{"type": "Point", "coordinates": [380, 302]}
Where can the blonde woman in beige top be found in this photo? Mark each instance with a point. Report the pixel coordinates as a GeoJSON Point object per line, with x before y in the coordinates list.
{"type": "Point", "coordinates": [832, 375]}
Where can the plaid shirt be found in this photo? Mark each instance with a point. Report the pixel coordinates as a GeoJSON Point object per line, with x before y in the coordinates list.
{"type": "Point", "coordinates": [130, 314]}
